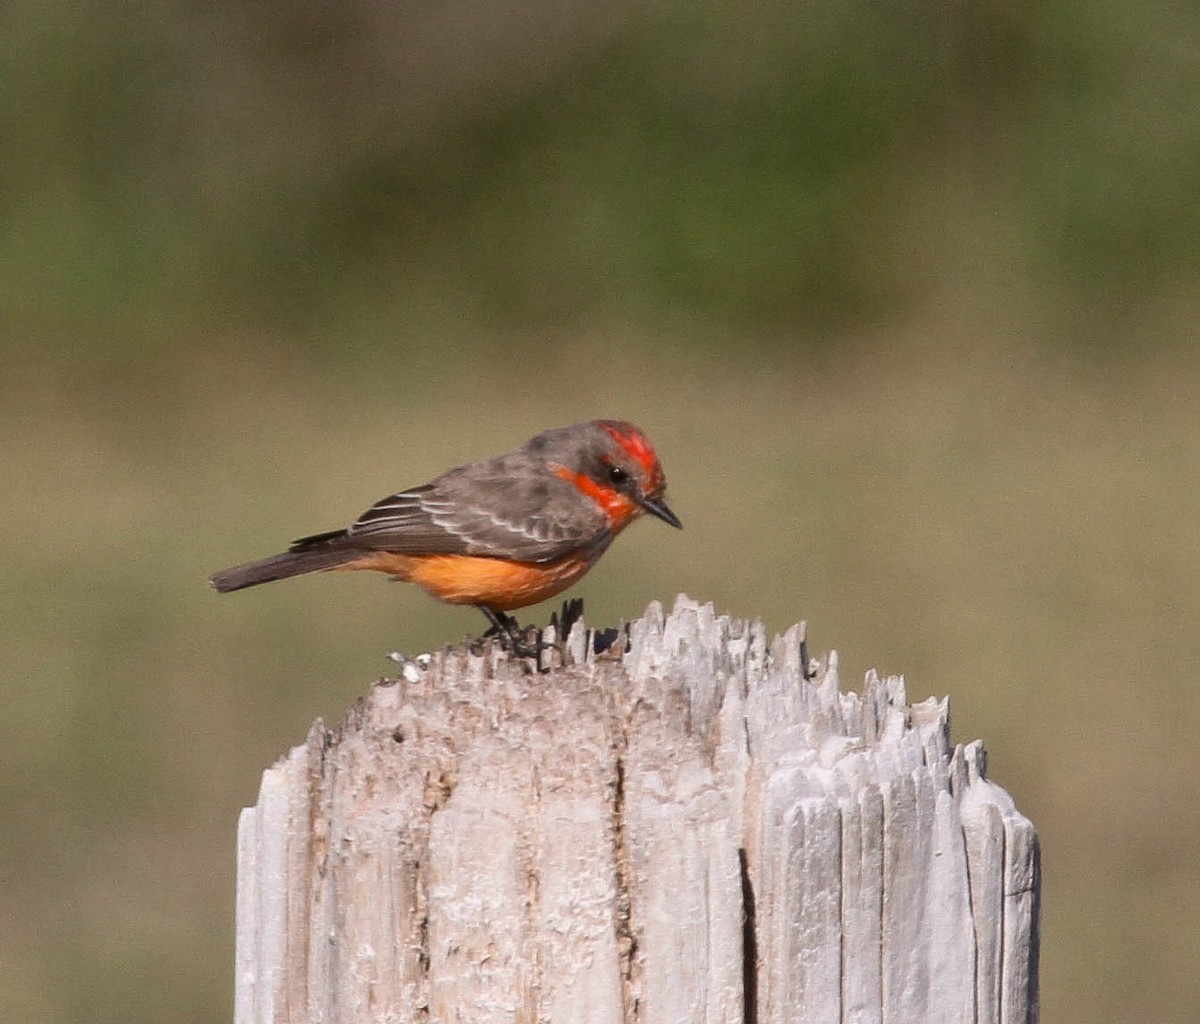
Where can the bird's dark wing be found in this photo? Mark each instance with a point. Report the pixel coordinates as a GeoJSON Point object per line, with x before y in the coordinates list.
{"type": "Point", "coordinates": [501, 508]}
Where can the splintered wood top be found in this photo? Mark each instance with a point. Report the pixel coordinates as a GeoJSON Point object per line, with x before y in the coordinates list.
{"type": "Point", "coordinates": [685, 831]}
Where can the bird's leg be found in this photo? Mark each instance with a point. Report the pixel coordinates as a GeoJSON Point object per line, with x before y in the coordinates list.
{"type": "Point", "coordinates": [502, 625]}
{"type": "Point", "coordinates": [508, 631]}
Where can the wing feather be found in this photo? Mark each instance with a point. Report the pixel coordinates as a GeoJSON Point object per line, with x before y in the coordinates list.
{"type": "Point", "coordinates": [490, 508]}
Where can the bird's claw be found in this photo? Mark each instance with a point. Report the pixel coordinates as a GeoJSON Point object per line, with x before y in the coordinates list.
{"type": "Point", "coordinates": [527, 642]}
{"type": "Point", "coordinates": [520, 645]}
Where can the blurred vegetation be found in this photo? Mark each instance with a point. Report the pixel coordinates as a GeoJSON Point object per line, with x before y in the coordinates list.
{"type": "Point", "coordinates": [906, 296]}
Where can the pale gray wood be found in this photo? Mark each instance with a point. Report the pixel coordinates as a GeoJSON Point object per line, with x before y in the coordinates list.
{"type": "Point", "coordinates": [685, 832]}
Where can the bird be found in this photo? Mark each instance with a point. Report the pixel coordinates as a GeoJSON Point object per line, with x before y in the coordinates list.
{"type": "Point", "coordinates": [501, 533]}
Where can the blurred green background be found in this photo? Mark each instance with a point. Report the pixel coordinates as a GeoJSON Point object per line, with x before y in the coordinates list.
{"type": "Point", "coordinates": [905, 294]}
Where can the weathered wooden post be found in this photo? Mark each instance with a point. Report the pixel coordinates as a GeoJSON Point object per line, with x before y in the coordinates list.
{"type": "Point", "coordinates": [686, 832]}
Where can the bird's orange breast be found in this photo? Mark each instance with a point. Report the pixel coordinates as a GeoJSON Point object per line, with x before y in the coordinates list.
{"type": "Point", "coordinates": [469, 579]}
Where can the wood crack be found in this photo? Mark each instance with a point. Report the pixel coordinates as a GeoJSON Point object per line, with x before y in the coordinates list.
{"type": "Point", "coordinates": [749, 943]}
{"type": "Point", "coordinates": [622, 920]}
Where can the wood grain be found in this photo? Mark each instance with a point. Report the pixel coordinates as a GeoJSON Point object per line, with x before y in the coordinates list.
{"type": "Point", "coordinates": [688, 833]}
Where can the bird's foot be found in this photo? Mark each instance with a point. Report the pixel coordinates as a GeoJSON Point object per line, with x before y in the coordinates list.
{"type": "Point", "coordinates": [518, 640]}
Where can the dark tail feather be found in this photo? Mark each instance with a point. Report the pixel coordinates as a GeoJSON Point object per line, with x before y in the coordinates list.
{"type": "Point", "coordinates": [280, 567]}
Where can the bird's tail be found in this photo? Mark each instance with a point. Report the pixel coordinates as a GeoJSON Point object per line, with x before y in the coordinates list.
{"type": "Point", "coordinates": [301, 559]}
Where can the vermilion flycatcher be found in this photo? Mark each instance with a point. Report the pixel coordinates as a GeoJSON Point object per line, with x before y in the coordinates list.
{"type": "Point", "coordinates": [501, 533]}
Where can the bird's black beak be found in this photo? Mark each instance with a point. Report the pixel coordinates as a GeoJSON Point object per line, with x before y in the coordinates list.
{"type": "Point", "coordinates": [658, 507]}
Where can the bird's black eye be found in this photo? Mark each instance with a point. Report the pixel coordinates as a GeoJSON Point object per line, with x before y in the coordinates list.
{"type": "Point", "coordinates": [617, 475]}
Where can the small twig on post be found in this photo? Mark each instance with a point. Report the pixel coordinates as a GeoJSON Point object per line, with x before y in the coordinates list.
{"type": "Point", "coordinates": [685, 830]}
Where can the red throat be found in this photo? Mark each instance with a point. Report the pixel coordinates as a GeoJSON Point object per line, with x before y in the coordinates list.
{"type": "Point", "coordinates": [619, 509]}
